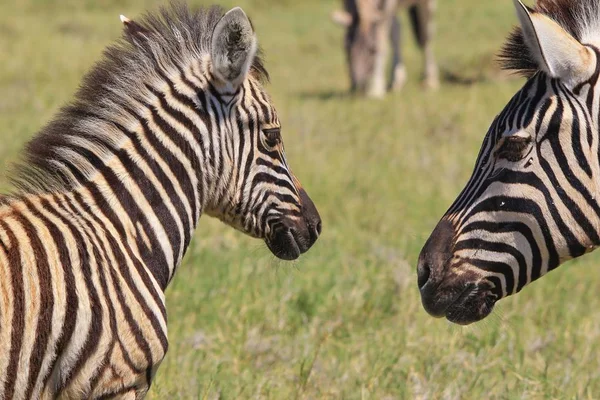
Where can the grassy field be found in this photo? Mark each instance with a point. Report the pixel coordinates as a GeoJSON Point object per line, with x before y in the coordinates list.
{"type": "Point", "coordinates": [345, 321]}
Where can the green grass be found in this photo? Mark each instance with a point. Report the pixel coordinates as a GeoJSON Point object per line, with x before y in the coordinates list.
{"type": "Point", "coordinates": [345, 321]}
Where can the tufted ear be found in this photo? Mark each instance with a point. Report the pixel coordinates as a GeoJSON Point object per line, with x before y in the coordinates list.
{"type": "Point", "coordinates": [555, 50]}
{"type": "Point", "coordinates": [234, 46]}
{"type": "Point", "coordinates": [133, 29]}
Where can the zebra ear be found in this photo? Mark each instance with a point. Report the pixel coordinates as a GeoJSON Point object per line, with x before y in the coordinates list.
{"type": "Point", "coordinates": [555, 50]}
{"type": "Point", "coordinates": [234, 46]}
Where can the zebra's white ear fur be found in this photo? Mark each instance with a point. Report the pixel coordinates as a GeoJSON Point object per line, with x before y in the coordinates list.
{"type": "Point", "coordinates": [133, 29]}
{"type": "Point", "coordinates": [556, 51]}
{"type": "Point", "coordinates": [234, 47]}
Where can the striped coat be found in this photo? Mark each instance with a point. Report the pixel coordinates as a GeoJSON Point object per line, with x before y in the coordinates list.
{"type": "Point", "coordinates": [173, 123]}
{"type": "Point", "coordinates": [532, 201]}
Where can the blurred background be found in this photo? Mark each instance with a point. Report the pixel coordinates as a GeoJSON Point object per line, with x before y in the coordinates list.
{"type": "Point", "coordinates": [345, 321]}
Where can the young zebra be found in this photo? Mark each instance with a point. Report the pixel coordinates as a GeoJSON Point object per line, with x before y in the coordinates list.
{"type": "Point", "coordinates": [532, 202]}
{"type": "Point", "coordinates": [369, 24]}
{"type": "Point", "coordinates": [173, 123]}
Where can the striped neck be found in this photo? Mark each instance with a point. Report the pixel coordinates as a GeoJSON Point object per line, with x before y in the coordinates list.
{"type": "Point", "coordinates": [166, 169]}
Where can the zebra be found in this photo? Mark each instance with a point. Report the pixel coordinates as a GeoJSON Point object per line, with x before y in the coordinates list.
{"type": "Point", "coordinates": [531, 203]}
{"type": "Point", "coordinates": [171, 124]}
{"type": "Point", "coordinates": [369, 24]}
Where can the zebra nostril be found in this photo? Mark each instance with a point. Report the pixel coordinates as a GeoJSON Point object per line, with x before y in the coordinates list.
{"type": "Point", "coordinates": [423, 274]}
{"type": "Point", "coordinates": [314, 230]}
{"type": "Point", "coordinates": [318, 228]}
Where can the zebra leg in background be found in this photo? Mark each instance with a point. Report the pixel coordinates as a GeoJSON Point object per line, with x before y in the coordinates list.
{"type": "Point", "coordinates": [377, 84]}
{"type": "Point", "coordinates": [398, 73]}
{"type": "Point", "coordinates": [422, 19]}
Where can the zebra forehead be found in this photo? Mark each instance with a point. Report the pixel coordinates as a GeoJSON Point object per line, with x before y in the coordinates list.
{"type": "Point", "coordinates": [581, 18]}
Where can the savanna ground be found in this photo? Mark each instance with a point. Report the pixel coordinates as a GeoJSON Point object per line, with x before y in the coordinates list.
{"type": "Point", "coordinates": [345, 321]}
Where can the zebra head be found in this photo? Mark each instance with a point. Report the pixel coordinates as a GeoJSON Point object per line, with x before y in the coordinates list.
{"type": "Point", "coordinates": [256, 191]}
{"type": "Point", "coordinates": [531, 201]}
{"type": "Point", "coordinates": [367, 24]}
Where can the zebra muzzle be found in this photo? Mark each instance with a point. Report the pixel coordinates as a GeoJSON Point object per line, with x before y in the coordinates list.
{"type": "Point", "coordinates": [459, 295]}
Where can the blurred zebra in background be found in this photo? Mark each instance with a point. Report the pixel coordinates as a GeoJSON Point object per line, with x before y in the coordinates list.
{"type": "Point", "coordinates": [371, 25]}
{"type": "Point", "coordinates": [171, 124]}
{"type": "Point", "coordinates": [532, 201]}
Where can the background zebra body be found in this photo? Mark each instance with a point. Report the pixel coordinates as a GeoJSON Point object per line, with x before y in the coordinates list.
{"type": "Point", "coordinates": [531, 203]}
{"type": "Point", "coordinates": [371, 27]}
{"type": "Point", "coordinates": [173, 123]}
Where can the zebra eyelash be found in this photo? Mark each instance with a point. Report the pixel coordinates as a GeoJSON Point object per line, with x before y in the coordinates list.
{"type": "Point", "coordinates": [512, 148]}
{"type": "Point", "coordinates": [272, 136]}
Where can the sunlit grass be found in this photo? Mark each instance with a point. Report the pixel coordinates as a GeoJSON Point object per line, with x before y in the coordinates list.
{"type": "Point", "coordinates": [345, 321]}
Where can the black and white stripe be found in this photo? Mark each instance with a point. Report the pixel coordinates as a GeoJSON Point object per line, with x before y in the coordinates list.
{"type": "Point", "coordinates": [532, 201]}
{"type": "Point", "coordinates": [162, 131]}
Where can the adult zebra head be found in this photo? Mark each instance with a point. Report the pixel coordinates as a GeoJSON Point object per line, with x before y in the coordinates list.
{"type": "Point", "coordinates": [531, 202]}
{"type": "Point", "coordinates": [367, 24]}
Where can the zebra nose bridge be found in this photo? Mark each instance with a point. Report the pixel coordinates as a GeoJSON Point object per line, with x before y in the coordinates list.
{"type": "Point", "coordinates": [310, 215]}
{"type": "Point", "coordinates": [435, 255]}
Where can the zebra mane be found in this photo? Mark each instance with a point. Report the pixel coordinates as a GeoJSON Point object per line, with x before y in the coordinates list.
{"type": "Point", "coordinates": [581, 18]}
{"type": "Point", "coordinates": [173, 36]}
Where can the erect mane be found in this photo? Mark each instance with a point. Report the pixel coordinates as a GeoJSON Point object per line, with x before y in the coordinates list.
{"type": "Point", "coordinates": [581, 18]}
{"type": "Point", "coordinates": [175, 36]}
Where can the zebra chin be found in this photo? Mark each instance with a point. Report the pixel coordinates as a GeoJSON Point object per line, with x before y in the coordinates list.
{"type": "Point", "coordinates": [289, 243]}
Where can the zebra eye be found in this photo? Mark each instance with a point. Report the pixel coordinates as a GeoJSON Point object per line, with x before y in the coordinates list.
{"type": "Point", "coordinates": [272, 136]}
{"type": "Point", "coordinates": [513, 148]}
